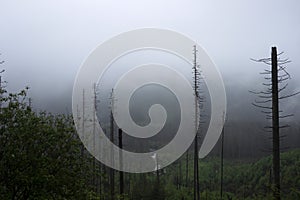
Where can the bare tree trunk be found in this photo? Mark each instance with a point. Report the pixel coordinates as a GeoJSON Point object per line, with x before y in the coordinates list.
{"type": "Point", "coordinates": [121, 184]}
{"type": "Point", "coordinates": [83, 113]}
{"type": "Point", "coordinates": [278, 76]}
{"type": "Point", "coordinates": [180, 175]}
{"type": "Point", "coordinates": [1, 92]}
{"type": "Point", "coordinates": [187, 169]}
{"type": "Point", "coordinates": [222, 164]}
{"type": "Point", "coordinates": [1, 62]}
{"type": "Point", "coordinates": [196, 170]}
{"type": "Point", "coordinates": [94, 182]}
{"type": "Point", "coordinates": [100, 179]}
{"type": "Point", "coordinates": [112, 174]}
{"type": "Point", "coordinates": [157, 175]}
{"type": "Point", "coordinates": [275, 124]}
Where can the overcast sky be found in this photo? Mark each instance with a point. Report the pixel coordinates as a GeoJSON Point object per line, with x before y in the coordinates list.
{"type": "Point", "coordinates": [44, 42]}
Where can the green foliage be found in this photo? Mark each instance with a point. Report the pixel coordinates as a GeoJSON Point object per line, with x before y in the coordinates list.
{"type": "Point", "coordinates": [41, 157]}
{"type": "Point", "coordinates": [242, 180]}
{"type": "Point", "coordinates": [40, 154]}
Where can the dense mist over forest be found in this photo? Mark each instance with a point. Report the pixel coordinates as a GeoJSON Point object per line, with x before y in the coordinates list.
{"type": "Point", "coordinates": [49, 151]}
{"type": "Point", "coordinates": [245, 137]}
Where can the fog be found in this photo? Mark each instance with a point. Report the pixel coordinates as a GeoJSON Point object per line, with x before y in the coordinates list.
{"type": "Point", "coordinates": [43, 43]}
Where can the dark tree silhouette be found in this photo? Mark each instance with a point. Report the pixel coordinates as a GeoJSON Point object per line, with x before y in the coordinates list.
{"type": "Point", "coordinates": [222, 160]}
{"type": "Point", "coordinates": [196, 149]}
{"type": "Point", "coordinates": [269, 101]}
{"type": "Point", "coordinates": [187, 169]}
{"type": "Point", "coordinates": [121, 180]}
{"type": "Point", "coordinates": [112, 173]}
{"type": "Point", "coordinates": [1, 86]}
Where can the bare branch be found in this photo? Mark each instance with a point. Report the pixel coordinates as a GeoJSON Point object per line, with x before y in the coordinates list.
{"type": "Point", "coordinates": [261, 92]}
{"type": "Point", "coordinates": [268, 127]}
{"type": "Point", "coordinates": [287, 96]}
{"type": "Point", "coordinates": [283, 69]}
{"type": "Point", "coordinates": [280, 53]}
{"type": "Point", "coordinates": [267, 84]}
{"type": "Point", "coordinates": [283, 62]}
{"type": "Point", "coordinates": [265, 97]}
{"type": "Point", "coordinates": [281, 79]}
{"type": "Point", "coordinates": [282, 136]}
{"type": "Point", "coordinates": [266, 101]}
{"type": "Point", "coordinates": [285, 116]}
{"type": "Point", "coordinates": [259, 106]}
{"type": "Point", "coordinates": [264, 73]}
{"type": "Point", "coordinates": [261, 60]}
{"type": "Point", "coordinates": [282, 88]}
{"type": "Point", "coordinates": [284, 126]}
{"type": "Point", "coordinates": [266, 112]}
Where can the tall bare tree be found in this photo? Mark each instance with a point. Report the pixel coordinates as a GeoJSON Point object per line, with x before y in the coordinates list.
{"type": "Point", "coordinates": [222, 163]}
{"type": "Point", "coordinates": [111, 171]}
{"type": "Point", "coordinates": [121, 173]}
{"type": "Point", "coordinates": [1, 86]}
{"type": "Point", "coordinates": [269, 100]}
{"type": "Point", "coordinates": [196, 150]}
{"type": "Point", "coordinates": [187, 169]}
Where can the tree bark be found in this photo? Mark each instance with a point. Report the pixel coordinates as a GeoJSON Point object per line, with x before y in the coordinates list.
{"type": "Point", "coordinates": [121, 163]}
{"type": "Point", "coordinates": [275, 124]}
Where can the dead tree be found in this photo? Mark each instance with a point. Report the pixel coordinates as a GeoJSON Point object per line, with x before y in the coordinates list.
{"type": "Point", "coordinates": [187, 169]}
{"type": "Point", "coordinates": [94, 136]}
{"type": "Point", "coordinates": [269, 100]}
{"type": "Point", "coordinates": [101, 172]}
{"type": "Point", "coordinates": [1, 87]}
{"type": "Point", "coordinates": [83, 121]}
{"type": "Point", "coordinates": [196, 150]}
{"type": "Point", "coordinates": [222, 158]}
{"type": "Point", "coordinates": [121, 184]}
{"type": "Point", "coordinates": [222, 163]}
{"type": "Point", "coordinates": [180, 176]}
{"type": "Point", "coordinates": [111, 172]}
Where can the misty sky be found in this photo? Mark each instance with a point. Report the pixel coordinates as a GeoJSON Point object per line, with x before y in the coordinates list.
{"type": "Point", "coordinates": [44, 43]}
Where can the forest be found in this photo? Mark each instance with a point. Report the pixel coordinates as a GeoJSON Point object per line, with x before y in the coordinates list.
{"type": "Point", "coordinates": [149, 100]}
{"type": "Point", "coordinates": [94, 93]}
{"type": "Point", "coordinates": [42, 157]}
